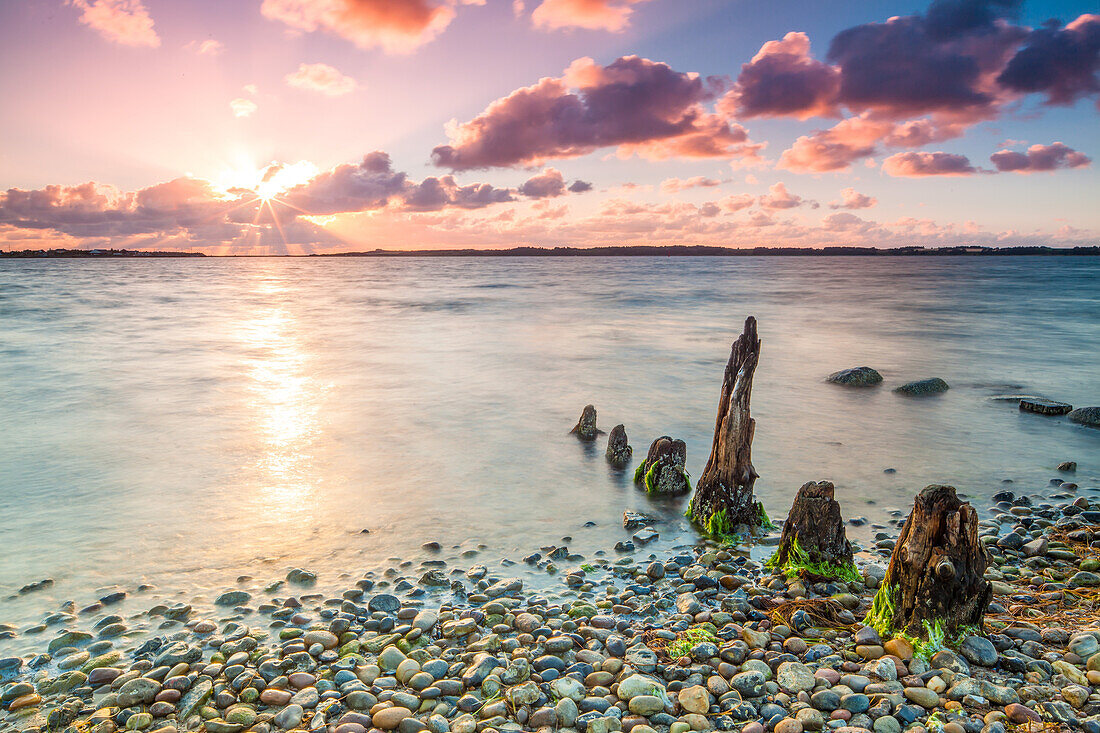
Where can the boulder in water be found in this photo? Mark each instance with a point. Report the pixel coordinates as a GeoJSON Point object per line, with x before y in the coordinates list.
{"type": "Point", "coordinates": [1045, 407]}
{"type": "Point", "coordinates": [636, 520]}
{"type": "Point", "coordinates": [922, 387]}
{"type": "Point", "coordinates": [1086, 416]}
{"type": "Point", "coordinates": [1068, 466]}
{"type": "Point", "coordinates": [663, 472]}
{"type": "Point", "coordinates": [618, 450]}
{"type": "Point", "coordinates": [863, 376]}
{"type": "Point", "coordinates": [586, 429]}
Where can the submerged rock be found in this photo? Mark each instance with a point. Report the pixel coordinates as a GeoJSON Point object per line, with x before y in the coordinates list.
{"type": "Point", "coordinates": [1044, 407]}
{"type": "Point", "coordinates": [619, 451]}
{"type": "Point", "coordinates": [863, 376]}
{"type": "Point", "coordinates": [586, 429]}
{"type": "Point", "coordinates": [1086, 416]}
{"type": "Point", "coordinates": [921, 387]}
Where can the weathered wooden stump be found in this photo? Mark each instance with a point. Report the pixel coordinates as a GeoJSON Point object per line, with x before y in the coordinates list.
{"type": "Point", "coordinates": [586, 429]}
{"type": "Point", "coordinates": [619, 451]}
{"type": "Point", "coordinates": [934, 586]}
{"type": "Point", "coordinates": [662, 471]}
{"type": "Point", "coordinates": [723, 497]}
{"type": "Point", "coordinates": [813, 544]}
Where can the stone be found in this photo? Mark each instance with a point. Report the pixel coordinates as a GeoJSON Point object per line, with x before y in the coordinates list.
{"type": "Point", "coordinates": [233, 598]}
{"type": "Point", "coordinates": [694, 699]}
{"type": "Point", "coordinates": [1086, 416]}
{"type": "Point", "coordinates": [646, 705]}
{"type": "Point", "coordinates": [863, 376]}
{"type": "Point", "coordinates": [922, 696]}
{"type": "Point", "coordinates": [637, 684]}
{"type": "Point", "coordinates": [795, 677]}
{"type": "Point", "coordinates": [1068, 466]}
{"type": "Point", "coordinates": [788, 725]}
{"type": "Point", "coordinates": [289, 717]}
{"type": "Point", "coordinates": [1042, 406]}
{"type": "Point", "coordinates": [749, 684]}
{"type": "Point", "coordinates": [978, 650]}
{"type": "Point", "coordinates": [618, 451]}
{"type": "Point", "coordinates": [390, 718]}
{"type": "Point", "coordinates": [922, 387]}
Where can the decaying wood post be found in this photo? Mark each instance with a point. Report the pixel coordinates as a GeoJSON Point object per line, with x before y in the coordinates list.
{"type": "Point", "coordinates": [586, 429]}
{"type": "Point", "coordinates": [934, 586]}
{"type": "Point", "coordinates": [662, 471]}
{"type": "Point", "coordinates": [813, 544]}
{"type": "Point", "coordinates": [723, 497]}
{"type": "Point", "coordinates": [619, 451]}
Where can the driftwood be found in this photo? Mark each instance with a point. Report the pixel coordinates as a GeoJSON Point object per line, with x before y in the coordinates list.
{"type": "Point", "coordinates": [586, 429]}
{"type": "Point", "coordinates": [813, 543]}
{"type": "Point", "coordinates": [662, 471]}
{"type": "Point", "coordinates": [723, 497]}
{"type": "Point", "coordinates": [935, 584]}
{"type": "Point", "coordinates": [619, 451]}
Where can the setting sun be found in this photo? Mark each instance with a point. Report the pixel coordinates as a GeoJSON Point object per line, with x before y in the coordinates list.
{"type": "Point", "coordinates": [266, 182]}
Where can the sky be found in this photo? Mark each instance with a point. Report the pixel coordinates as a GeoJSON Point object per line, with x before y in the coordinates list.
{"type": "Point", "coordinates": [311, 126]}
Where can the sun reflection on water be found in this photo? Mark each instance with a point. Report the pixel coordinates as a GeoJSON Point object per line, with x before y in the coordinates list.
{"type": "Point", "coordinates": [284, 412]}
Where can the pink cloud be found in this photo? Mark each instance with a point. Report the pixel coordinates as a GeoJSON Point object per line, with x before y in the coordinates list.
{"type": "Point", "coordinates": [783, 80]}
{"type": "Point", "coordinates": [836, 148]}
{"type": "Point", "coordinates": [737, 201]}
{"type": "Point", "coordinates": [321, 78]}
{"type": "Point", "coordinates": [209, 47]}
{"type": "Point", "coordinates": [607, 15]}
{"type": "Point", "coordinates": [548, 184]}
{"type": "Point", "coordinates": [1039, 158]}
{"type": "Point", "coordinates": [778, 197]}
{"type": "Point", "coordinates": [640, 106]}
{"type": "Point", "coordinates": [917, 164]}
{"type": "Point", "coordinates": [242, 107]}
{"type": "Point", "coordinates": [396, 26]}
{"type": "Point", "coordinates": [853, 199]}
{"type": "Point", "coordinates": [675, 185]}
{"type": "Point", "coordinates": [126, 22]}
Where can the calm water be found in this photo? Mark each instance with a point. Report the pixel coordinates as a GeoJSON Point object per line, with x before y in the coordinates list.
{"type": "Point", "coordinates": [183, 422]}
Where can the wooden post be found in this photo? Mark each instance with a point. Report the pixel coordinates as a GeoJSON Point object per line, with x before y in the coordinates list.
{"type": "Point", "coordinates": [723, 497]}
{"type": "Point", "coordinates": [935, 583]}
{"type": "Point", "coordinates": [813, 544]}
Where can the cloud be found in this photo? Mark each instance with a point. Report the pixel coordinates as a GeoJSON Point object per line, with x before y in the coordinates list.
{"type": "Point", "coordinates": [433, 194]}
{"type": "Point", "coordinates": [126, 22]}
{"type": "Point", "coordinates": [1039, 158]}
{"type": "Point", "coordinates": [918, 164]}
{"type": "Point", "coordinates": [579, 186]}
{"type": "Point", "coordinates": [853, 199]}
{"type": "Point", "coordinates": [1063, 63]}
{"type": "Point", "coordinates": [642, 107]}
{"type": "Point", "coordinates": [607, 15]}
{"type": "Point", "coordinates": [209, 47]}
{"type": "Point", "coordinates": [396, 26]}
{"type": "Point", "coordinates": [780, 198]}
{"type": "Point", "coordinates": [242, 107]}
{"type": "Point", "coordinates": [836, 148]}
{"type": "Point", "coordinates": [945, 61]}
{"type": "Point", "coordinates": [783, 80]}
{"type": "Point", "coordinates": [369, 184]}
{"type": "Point", "coordinates": [321, 78]}
{"type": "Point", "coordinates": [737, 201]}
{"type": "Point", "coordinates": [675, 185]}
{"type": "Point", "coordinates": [547, 184]}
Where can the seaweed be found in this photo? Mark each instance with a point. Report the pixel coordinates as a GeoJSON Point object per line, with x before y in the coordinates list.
{"type": "Point", "coordinates": [687, 639]}
{"type": "Point", "coordinates": [799, 564]}
{"type": "Point", "coordinates": [881, 616]}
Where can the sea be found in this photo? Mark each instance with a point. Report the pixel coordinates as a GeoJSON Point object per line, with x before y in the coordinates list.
{"type": "Point", "coordinates": [187, 426]}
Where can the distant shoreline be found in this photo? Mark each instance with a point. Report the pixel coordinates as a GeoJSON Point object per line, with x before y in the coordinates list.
{"type": "Point", "coordinates": [615, 251]}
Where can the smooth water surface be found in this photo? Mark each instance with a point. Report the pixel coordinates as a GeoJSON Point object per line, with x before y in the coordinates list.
{"type": "Point", "coordinates": [183, 422]}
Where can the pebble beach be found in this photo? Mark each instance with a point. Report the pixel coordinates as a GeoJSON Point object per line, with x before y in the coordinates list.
{"type": "Point", "coordinates": [699, 637]}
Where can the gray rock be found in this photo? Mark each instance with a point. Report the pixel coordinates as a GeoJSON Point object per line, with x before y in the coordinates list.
{"type": "Point", "coordinates": [863, 376]}
{"type": "Point", "coordinates": [922, 387]}
{"type": "Point", "coordinates": [979, 650]}
{"type": "Point", "coordinates": [1086, 416]}
{"type": "Point", "coordinates": [233, 598]}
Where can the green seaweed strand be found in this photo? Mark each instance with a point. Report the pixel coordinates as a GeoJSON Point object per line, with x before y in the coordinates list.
{"type": "Point", "coordinates": [799, 564]}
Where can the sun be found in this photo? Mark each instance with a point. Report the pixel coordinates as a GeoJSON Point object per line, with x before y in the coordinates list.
{"type": "Point", "coordinates": [268, 182]}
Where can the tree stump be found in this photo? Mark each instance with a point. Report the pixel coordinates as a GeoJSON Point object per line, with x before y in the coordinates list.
{"type": "Point", "coordinates": [662, 471]}
{"type": "Point", "coordinates": [934, 585]}
{"type": "Point", "coordinates": [619, 451]}
{"type": "Point", "coordinates": [586, 429]}
{"type": "Point", "coordinates": [813, 544]}
{"type": "Point", "coordinates": [723, 497]}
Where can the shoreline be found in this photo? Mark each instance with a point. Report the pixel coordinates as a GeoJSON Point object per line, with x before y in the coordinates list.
{"type": "Point", "coordinates": [610, 618]}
